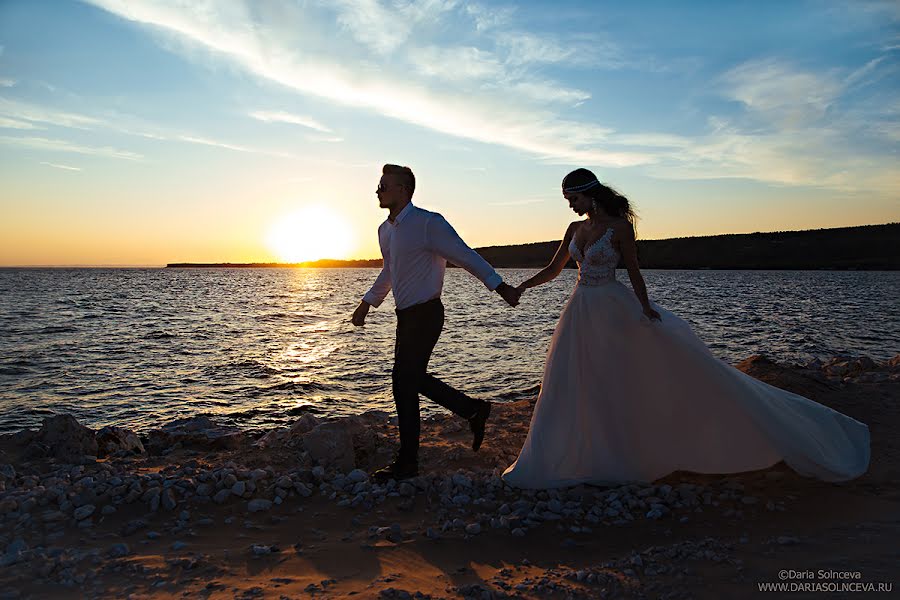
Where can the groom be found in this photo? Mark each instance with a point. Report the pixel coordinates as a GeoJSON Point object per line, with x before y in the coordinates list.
{"type": "Point", "coordinates": [416, 245]}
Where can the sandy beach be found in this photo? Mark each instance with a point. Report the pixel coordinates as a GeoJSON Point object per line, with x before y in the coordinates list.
{"type": "Point", "coordinates": [195, 509]}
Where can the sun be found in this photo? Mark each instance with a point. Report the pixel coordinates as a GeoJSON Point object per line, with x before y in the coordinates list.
{"type": "Point", "coordinates": [310, 233]}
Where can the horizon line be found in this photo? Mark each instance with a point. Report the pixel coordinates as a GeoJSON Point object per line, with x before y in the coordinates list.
{"type": "Point", "coordinates": [298, 264]}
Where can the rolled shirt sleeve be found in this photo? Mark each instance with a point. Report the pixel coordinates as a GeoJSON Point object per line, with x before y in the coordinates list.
{"type": "Point", "coordinates": [443, 240]}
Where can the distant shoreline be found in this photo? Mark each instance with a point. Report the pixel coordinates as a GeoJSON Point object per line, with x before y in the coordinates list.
{"type": "Point", "coordinates": [862, 248]}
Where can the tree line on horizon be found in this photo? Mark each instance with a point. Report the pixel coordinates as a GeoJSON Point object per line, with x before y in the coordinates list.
{"type": "Point", "coordinates": [867, 247]}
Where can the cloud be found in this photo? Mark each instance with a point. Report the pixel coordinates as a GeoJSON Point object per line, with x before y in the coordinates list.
{"type": "Point", "coordinates": [472, 65]}
{"type": "Point", "coordinates": [229, 146]}
{"type": "Point", "coordinates": [489, 18]}
{"type": "Point", "coordinates": [786, 96]}
{"type": "Point", "coordinates": [383, 28]}
{"type": "Point", "coordinates": [7, 123]}
{"type": "Point", "coordinates": [59, 166]}
{"type": "Point", "coordinates": [325, 139]}
{"type": "Point", "coordinates": [285, 117]}
{"type": "Point", "coordinates": [460, 63]}
{"type": "Point", "coordinates": [27, 114]}
{"type": "Point", "coordinates": [64, 146]}
{"type": "Point", "coordinates": [550, 92]}
{"type": "Point", "coordinates": [526, 48]}
{"type": "Point", "coordinates": [21, 111]}
{"type": "Point", "coordinates": [268, 53]}
{"type": "Point", "coordinates": [371, 24]}
{"type": "Point", "coordinates": [7, 82]}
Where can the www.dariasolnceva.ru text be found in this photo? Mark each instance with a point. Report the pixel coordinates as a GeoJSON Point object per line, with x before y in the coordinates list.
{"type": "Point", "coordinates": [792, 580]}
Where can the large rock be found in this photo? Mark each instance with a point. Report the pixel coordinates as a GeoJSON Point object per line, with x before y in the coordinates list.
{"type": "Point", "coordinates": [281, 437]}
{"type": "Point", "coordinates": [194, 432]}
{"type": "Point", "coordinates": [67, 439]}
{"type": "Point", "coordinates": [276, 438]}
{"type": "Point", "coordinates": [331, 445]}
{"type": "Point", "coordinates": [341, 444]}
{"type": "Point", "coordinates": [304, 424]}
{"type": "Point", "coordinates": [118, 439]}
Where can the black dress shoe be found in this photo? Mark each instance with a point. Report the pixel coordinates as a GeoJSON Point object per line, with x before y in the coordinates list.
{"type": "Point", "coordinates": [477, 424]}
{"type": "Point", "coordinates": [396, 470]}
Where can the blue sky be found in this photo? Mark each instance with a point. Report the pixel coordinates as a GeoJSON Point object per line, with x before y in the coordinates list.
{"type": "Point", "coordinates": [151, 132]}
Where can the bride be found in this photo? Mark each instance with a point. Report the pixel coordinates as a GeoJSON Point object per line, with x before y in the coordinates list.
{"type": "Point", "coordinates": [630, 394]}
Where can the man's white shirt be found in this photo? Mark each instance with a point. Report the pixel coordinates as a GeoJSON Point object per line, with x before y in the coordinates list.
{"type": "Point", "coordinates": [416, 248]}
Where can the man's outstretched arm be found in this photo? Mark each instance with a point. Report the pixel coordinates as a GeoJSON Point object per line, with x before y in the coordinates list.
{"type": "Point", "coordinates": [443, 239]}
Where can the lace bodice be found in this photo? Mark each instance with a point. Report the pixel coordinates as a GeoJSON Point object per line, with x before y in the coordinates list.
{"type": "Point", "coordinates": [598, 264]}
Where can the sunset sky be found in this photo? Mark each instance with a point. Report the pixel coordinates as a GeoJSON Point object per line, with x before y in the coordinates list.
{"type": "Point", "coordinates": [142, 132]}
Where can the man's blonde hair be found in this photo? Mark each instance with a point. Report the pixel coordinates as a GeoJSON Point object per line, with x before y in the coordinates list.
{"type": "Point", "coordinates": [405, 173]}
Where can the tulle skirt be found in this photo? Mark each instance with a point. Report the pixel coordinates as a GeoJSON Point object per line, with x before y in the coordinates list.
{"type": "Point", "coordinates": [624, 399]}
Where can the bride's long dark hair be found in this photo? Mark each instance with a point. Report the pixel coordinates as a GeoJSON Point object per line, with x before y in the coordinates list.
{"type": "Point", "coordinates": [610, 200]}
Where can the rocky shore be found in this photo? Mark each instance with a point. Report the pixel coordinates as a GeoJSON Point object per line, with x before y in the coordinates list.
{"type": "Point", "coordinates": [196, 508]}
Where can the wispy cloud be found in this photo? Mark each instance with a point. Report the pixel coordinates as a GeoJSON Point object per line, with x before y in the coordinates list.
{"type": "Point", "coordinates": [25, 116]}
{"type": "Point", "coordinates": [786, 96]}
{"type": "Point", "coordinates": [325, 139]}
{"type": "Point", "coordinates": [460, 63]}
{"type": "Point", "coordinates": [490, 118]}
{"type": "Point", "coordinates": [7, 82]}
{"type": "Point", "coordinates": [487, 18]}
{"type": "Point", "coordinates": [545, 91]}
{"type": "Point", "coordinates": [384, 28]}
{"type": "Point", "coordinates": [526, 48]}
{"type": "Point", "coordinates": [59, 166]}
{"type": "Point", "coordinates": [285, 117]}
{"type": "Point", "coordinates": [7, 123]}
{"type": "Point", "coordinates": [64, 146]}
{"type": "Point", "coordinates": [21, 111]}
{"type": "Point", "coordinates": [370, 23]}
{"type": "Point", "coordinates": [229, 146]}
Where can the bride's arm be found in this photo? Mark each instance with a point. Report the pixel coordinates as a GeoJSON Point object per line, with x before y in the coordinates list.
{"type": "Point", "coordinates": [628, 249]}
{"type": "Point", "coordinates": [556, 265]}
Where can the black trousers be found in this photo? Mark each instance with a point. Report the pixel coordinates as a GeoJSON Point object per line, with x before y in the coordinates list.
{"type": "Point", "coordinates": [418, 330]}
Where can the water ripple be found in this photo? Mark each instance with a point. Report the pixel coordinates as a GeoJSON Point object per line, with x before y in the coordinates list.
{"type": "Point", "coordinates": [257, 347]}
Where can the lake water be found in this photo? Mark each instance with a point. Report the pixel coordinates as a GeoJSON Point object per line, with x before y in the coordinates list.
{"type": "Point", "coordinates": [256, 347]}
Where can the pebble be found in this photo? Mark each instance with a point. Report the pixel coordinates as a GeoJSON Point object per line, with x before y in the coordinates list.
{"type": "Point", "coordinates": [259, 505]}
{"type": "Point", "coordinates": [83, 512]}
{"type": "Point", "coordinates": [357, 476]}
{"type": "Point", "coordinates": [239, 488]}
{"type": "Point", "coordinates": [168, 500]}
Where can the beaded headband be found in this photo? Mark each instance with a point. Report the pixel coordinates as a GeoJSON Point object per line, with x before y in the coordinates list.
{"type": "Point", "coordinates": [582, 187]}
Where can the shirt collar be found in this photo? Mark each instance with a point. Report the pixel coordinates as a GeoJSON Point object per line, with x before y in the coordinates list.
{"type": "Point", "coordinates": [402, 214]}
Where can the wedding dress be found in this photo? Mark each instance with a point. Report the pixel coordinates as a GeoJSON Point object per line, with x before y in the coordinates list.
{"type": "Point", "coordinates": [626, 399]}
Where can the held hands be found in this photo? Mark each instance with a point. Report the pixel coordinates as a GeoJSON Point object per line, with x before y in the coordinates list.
{"type": "Point", "coordinates": [359, 315]}
{"type": "Point", "coordinates": [509, 293]}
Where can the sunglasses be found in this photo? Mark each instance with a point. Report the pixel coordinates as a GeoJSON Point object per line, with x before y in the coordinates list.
{"type": "Point", "coordinates": [381, 187]}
